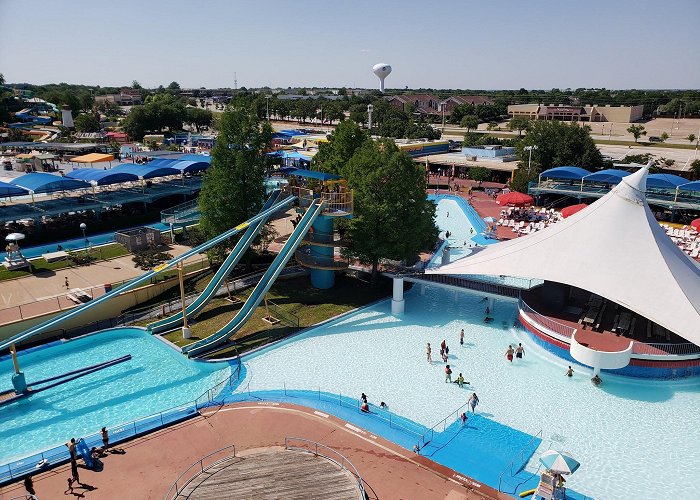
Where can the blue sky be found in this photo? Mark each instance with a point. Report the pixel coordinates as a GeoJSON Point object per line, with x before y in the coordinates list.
{"type": "Point", "coordinates": [441, 44]}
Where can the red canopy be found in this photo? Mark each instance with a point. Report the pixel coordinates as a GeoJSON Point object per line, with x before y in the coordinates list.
{"type": "Point", "coordinates": [696, 224]}
{"type": "Point", "coordinates": [571, 210]}
{"type": "Point", "coordinates": [514, 199]}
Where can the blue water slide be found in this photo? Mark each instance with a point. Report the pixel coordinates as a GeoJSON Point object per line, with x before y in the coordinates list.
{"type": "Point", "coordinates": [56, 322]}
{"type": "Point", "coordinates": [210, 291]}
{"type": "Point", "coordinates": [258, 293]}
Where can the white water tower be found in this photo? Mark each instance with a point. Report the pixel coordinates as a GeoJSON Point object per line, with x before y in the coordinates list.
{"type": "Point", "coordinates": [382, 70]}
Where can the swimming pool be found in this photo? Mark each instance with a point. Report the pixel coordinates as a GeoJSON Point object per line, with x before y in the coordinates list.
{"type": "Point", "coordinates": [156, 378]}
{"type": "Point", "coordinates": [628, 434]}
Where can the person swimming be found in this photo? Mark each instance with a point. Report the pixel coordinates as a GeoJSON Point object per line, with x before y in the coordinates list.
{"type": "Point", "coordinates": [596, 380]}
{"type": "Point", "coordinates": [461, 337]}
{"type": "Point", "coordinates": [570, 372]}
{"type": "Point", "coordinates": [519, 351]}
{"type": "Point", "coordinates": [509, 353]}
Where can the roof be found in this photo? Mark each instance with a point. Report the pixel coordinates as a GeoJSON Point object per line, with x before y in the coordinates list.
{"type": "Point", "coordinates": [93, 158]}
{"type": "Point", "coordinates": [101, 177]}
{"type": "Point", "coordinates": [190, 166]}
{"type": "Point", "coordinates": [475, 100]}
{"type": "Point", "coordinates": [614, 248]}
{"type": "Point", "coordinates": [576, 173]}
{"type": "Point", "coordinates": [145, 171]}
{"type": "Point", "coordinates": [7, 189]}
{"type": "Point", "coordinates": [690, 186]}
{"type": "Point", "coordinates": [667, 181]}
{"type": "Point", "coordinates": [610, 175]}
{"type": "Point", "coordinates": [41, 182]}
{"type": "Point", "coordinates": [309, 174]}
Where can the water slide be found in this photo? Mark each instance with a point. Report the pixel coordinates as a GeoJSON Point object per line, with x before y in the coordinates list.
{"type": "Point", "coordinates": [55, 322]}
{"type": "Point", "coordinates": [210, 291]}
{"type": "Point", "coordinates": [29, 119]}
{"type": "Point", "coordinates": [258, 293]}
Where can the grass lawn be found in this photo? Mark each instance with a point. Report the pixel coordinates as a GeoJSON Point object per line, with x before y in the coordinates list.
{"type": "Point", "coordinates": [40, 265]}
{"type": "Point", "coordinates": [296, 301]}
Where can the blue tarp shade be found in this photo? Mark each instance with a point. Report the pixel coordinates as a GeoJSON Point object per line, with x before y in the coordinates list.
{"type": "Point", "coordinates": [195, 158]}
{"type": "Point", "coordinates": [11, 190]}
{"type": "Point", "coordinates": [569, 173]}
{"type": "Point", "coordinates": [41, 182]}
{"type": "Point", "coordinates": [665, 181]}
{"type": "Point", "coordinates": [161, 162]}
{"type": "Point", "coordinates": [295, 155]}
{"type": "Point", "coordinates": [309, 174]}
{"type": "Point", "coordinates": [101, 177]}
{"type": "Point", "coordinates": [145, 171]}
{"type": "Point", "coordinates": [610, 175]}
{"type": "Point", "coordinates": [190, 166]}
{"type": "Point", "coordinates": [690, 186]}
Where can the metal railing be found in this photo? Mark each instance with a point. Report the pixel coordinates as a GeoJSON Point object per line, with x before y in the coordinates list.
{"type": "Point", "coordinates": [59, 454]}
{"type": "Point", "coordinates": [306, 256]}
{"type": "Point", "coordinates": [460, 282]}
{"type": "Point", "coordinates": [340, 203]}
{"type": "Point", "coordinates": [177, 213]}
{"type": "Point", "coordinates": [519, 459]}
{"type": "Point", "coordinates": [667, 349]}
{"type": "Point", "coordinates": [429, 435]}
{"type": "Point", "coordinates": [200, 470]}
{"type": "Point", "coordinates": [309, 446]}
{"type": "Point", "coordinates": [547, 322]}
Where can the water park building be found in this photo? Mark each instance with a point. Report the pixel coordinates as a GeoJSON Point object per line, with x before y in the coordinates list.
{"type": "Point", "coordinates": [572, 113]}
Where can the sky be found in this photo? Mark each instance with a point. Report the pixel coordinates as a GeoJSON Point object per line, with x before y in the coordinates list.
{"type": "Point", "coordinates": [467, 44]}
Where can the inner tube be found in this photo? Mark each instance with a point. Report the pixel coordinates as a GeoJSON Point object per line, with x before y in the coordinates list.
{"type": "Point", "coordinates": [527, 493]}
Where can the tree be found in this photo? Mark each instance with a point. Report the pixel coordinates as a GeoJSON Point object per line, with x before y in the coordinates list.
{"type": "Point", "coordinates": [695, 168]}
{"type": "Point", "coordinates": [557, 144]}
{"type": "Point", "coordinates": [87, 101]}
{"type": "Point", "coordinates": [161, 111]}
{"type": "Point", "coordinates": [521, 178]}
{"type": "Point", "coordinates": [637, 131]}
{"type": "Point", "coordinates": [663, 136]}
{"type": "Point", "coordinates": [174, 86]}
{"type": "Point", "coordinates": [492, 126]}
{"type": "Point", "coordinates": [519, 123]}
{"type": "Point", "coordinates": [233, 187]}
{"type": "Point", "coordinates": [86, 122]}
{"type": "Point", "coordinates": [334, 155]}
{"type": "Point", "coordinates": [470, 122]}
{"type": "Point", "coordinates": [479, 174]}
{"type": "Point", "coordinates": [198, 118]}
{"type": "Point", "coordinates": [136, 85]}
{"type": "Point", "coordinates": [358, 113]}
{"type": "Point", "coordinates": [691, 138]}
{"type": "Point", "coordinates": [393, 218]}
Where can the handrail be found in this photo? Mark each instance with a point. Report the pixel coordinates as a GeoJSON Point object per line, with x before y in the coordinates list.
{"type": "Point", "coordinates": [57, 454]}
{"type": "Point", "coordinates": [200, 462]}
{"type": "Point", "coordinates": [422, 439]}
{"type": "Point", "coordinates": [509, 467]}
{"type": "Point", "coordinates": [547, 322]}
{"type": "Point", "coordinates": [341, 464]}
{"type": "Point", "coordinates": [665, 349]}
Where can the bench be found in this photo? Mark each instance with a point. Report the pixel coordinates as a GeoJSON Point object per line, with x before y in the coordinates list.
{"type": "Point", "coordinates": [54, 256]}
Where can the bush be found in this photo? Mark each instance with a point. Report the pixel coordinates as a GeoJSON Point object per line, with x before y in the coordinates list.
{"type": "Point", "coordinates": [81, 258]}
{"type": "Point", "coordinates": [150, 258]}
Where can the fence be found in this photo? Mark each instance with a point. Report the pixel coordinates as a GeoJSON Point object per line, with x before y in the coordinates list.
{"type": "Point", "coordinates": [684, 349]}
{"type": "Point", "coordinates": [554, 326]}
{"type": "Point", "coordinates": [459, 282]}
{"type": "Point", "coordinates": [430, 433]}
{"type": "Point", "coordinates": [185, 482]}
{"type": "Point", "coordinates": [308, 446]}
{"type": "Point", "coordinates": [520, 459]}
{"type": "Point", "coordinates": [59, 454]}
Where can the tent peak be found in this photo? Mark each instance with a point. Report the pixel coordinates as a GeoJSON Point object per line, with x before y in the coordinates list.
{"type": "Point", "coordinates": [633, 187]}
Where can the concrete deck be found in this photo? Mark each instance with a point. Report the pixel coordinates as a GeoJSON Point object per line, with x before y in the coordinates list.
{"type": "Point", "coordinates": [150, 464]}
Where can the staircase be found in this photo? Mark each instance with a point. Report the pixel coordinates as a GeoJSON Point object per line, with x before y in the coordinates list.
{"type": "Point", "coordinates": [185, 213]}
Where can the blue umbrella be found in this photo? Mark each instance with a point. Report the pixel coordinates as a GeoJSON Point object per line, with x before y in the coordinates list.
{"type": "Point", "coordinates": [490, 219]}
{"type": "Point", "coordinates": [561, 462]}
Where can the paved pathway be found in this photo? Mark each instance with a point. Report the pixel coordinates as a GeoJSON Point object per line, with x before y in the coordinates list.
{"type": "Point", "coordinates": [150, 464]}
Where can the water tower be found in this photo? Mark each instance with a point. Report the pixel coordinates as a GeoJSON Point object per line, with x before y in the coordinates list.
{"type": "Point", "coordinates": [382, 71]}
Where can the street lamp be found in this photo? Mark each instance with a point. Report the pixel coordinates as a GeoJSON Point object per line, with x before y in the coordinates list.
{"type": "Point", "coordinates": [443, 106]}
{"type": "Point", "coordinates": [370, 108]}
{"type": "Point", "coordinates": [529, 161]}
{"type": "Point", "coordinates": [83, 227]}
{"type": "Point", "coordinates": [267, 106]}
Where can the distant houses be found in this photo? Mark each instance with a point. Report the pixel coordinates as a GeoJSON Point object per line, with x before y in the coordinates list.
{"type": "Point", "coordinates": [432, 105]}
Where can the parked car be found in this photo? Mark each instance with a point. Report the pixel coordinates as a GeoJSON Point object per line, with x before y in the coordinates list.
{"type": "Point", "coordinates": [654, 138]}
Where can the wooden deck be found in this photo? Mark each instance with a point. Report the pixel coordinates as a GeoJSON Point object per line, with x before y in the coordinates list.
{"type": "Point", "coordinates": [273, 474]}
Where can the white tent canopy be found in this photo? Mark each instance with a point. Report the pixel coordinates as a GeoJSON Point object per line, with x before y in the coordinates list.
{"type": "Point", "coordinates": [614, 248]}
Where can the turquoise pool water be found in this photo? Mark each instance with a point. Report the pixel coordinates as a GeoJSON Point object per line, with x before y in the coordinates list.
{"type": "Point", "coordinates": [156, 378]}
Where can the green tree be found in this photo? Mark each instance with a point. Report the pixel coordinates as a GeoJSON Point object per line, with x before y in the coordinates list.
{"type": "Point", "coordinates": [358, 113]}
{"type": "Point", "coordinates": [637, 131]}
{"type": "Point", "coordinates": [87, 101]}
{"type": "Point", "coordinates": [136, 85]}
{"type": "Point", "coordinates": [470, 122]}
{"type": "Point", "coordinates": [86, 122]}
{"type": "Point", "coordinates": [479, 174]}
{"type": "Point", "coordinates": [695, 168]}
{"type": "Point", "coordinates": [557, 144]}
{"type": "Point", "coordinates": [393, 218]}
{"type": "Point", "coordinates": [521, 178]}
{"type": "Point", "coordinates": [518, 123]}
{"type": "Point", "coordinates": [492, 126]}
{"type": "Point", "coordinates": [174, 86]}
{"type": "Point", "coordinates": [233, 187]}
{"type": "Point", "coordinates": [198, 118]}
{"type": "Point", "coordinates": [691, 138]}
{"type": "Point", "coordinates": [664, 136]}
{"type": "Point", "coordinates": [334, 155]}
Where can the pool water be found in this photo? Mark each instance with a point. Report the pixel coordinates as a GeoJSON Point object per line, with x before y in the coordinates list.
{"type": "Point", "coordinates": [155, 379]}
{"type": "Point", "coordinates": [635, 439]}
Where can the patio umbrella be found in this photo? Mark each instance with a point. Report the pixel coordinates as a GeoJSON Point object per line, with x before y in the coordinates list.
{"type": "Point", "coordinates": [572, 209]}
{"type": "Point", "coordinates": [490, 220]}
{"type": "Point", "coordinates": [559, 461]}
{"type": "Point", "coordinates": [696, 224]}
{"type": "Point", "coordinates": [14, 237]}
{"type": "Point", "coordinates": [514, 199]}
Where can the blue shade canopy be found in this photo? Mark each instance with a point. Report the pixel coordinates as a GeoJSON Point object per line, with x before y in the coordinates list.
{"type": "Point", "coordinates": [41, 182]}
{"type": "Point", "coordinates": [7, 189]}
{"type": "Point", "coordinates": [569, 173]}
{"type": "Point", "coordinates": [194, 157]}
{"type": "Point", "coordinates": [690, 186]}
{"type": "Point", "coordinates": [101, 177]}
{"type": "Point", "coordinates": [309, 174]}
{"type": "Point", "coordinates": [190, 166]}
{"type": "Point", "coordinates": [668, 181]}
{"type": "Point", "coordinates": [161, 162]}
{"type": "Point", "coordinates": [145, 171]}
{"type": "Point", "coordinates": [609, 175]}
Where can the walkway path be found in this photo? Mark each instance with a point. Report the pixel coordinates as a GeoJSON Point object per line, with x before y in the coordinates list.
{"type": "Point", "coordinates": [150, 464]}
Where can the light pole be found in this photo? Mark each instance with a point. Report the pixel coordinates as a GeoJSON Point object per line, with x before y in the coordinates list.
{"type": "Point", "coordinates": [443, 106]}
{"type": "Point", "coordinates": [529, 160]}
{"type": "Point", "coordinates": [267, 106]}
{"type": "Point", "coordinates": [370, 108]}
{"type": "Point", "coordinates": [83, 227]}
